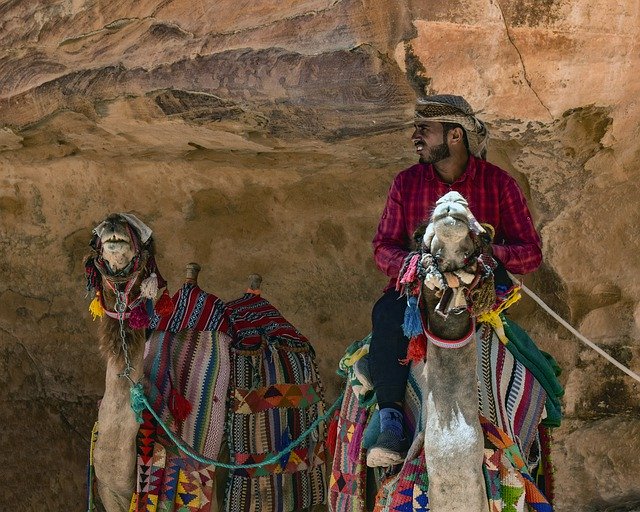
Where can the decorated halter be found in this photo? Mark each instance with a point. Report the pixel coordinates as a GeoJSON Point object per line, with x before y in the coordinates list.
{"type": "Point", "coordinates": [128, 308]}
{"type": "Point", "coordinates": [469, 289]}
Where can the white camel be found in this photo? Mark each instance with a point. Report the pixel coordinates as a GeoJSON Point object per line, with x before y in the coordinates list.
{"type": "Point", "coordinates": [453, 438]}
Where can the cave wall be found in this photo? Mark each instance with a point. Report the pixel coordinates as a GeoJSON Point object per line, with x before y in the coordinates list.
{"type": "Point", "coordinates": [258, 136]}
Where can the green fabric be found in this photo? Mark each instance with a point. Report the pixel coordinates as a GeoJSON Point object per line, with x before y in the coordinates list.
{"type": "Point", "coordinates": [543, 366]}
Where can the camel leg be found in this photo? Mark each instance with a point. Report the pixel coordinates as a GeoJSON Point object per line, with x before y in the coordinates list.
{"type": "Point", "coordinates": [112, 501]}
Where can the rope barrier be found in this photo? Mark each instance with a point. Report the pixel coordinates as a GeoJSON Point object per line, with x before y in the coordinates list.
{"type": "Point", "coordinates": [573, 331]}
{"type": "Point", "coordinates": [139, 402]}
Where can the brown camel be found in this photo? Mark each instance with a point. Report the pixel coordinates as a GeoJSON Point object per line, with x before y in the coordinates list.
{"type": "Point", "coordinates": [122, 258]}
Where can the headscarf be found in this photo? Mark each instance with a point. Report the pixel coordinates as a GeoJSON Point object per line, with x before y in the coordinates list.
{"type": "Point", "coordinates": [447, 108]}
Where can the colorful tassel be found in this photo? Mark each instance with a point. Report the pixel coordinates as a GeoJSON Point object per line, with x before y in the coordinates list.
{"type": "Point", "coordinates": [164, 306]}
{"type": "Point", "coordinates": [412, 325]}
{"type": "Point", "coordinates": [95, 308]}
{"type": "Point", "coordinates": [332, 433]}
{"type": "Point", "coordinates": [410, 274]}
{"type": "Point", "coordinates": [149, 287]}
{"type": "Point", "coordinates": [417, 349]}
{"type": "Point", "coordinates": [139, 319]}
{"type": "Point", "coordinates": [137, 401]}
{"type": "Point", "coordinates": [179, 406]}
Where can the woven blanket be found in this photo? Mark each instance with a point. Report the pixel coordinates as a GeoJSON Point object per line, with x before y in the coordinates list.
{"type": "Point", "coordinates": [252, 317]}
{"type": "Point", "coordinates": [509, 394]}
{"type": "Point", "coordinates": [195, 364]}
{"type": "Point", "coordinates": [277, 395]}
{"type": "Point", "coordinates": [194, 309]}
{"type": "Point", "coordinates": [510, 397]}
{"type": "Point", "coordinates": [167, 480]}
{"type": "Point", "coordinates": [188, 356]}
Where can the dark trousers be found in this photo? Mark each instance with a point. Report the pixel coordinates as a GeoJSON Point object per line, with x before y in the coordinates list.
{"type": "Point", "coordinates": [388, 345]}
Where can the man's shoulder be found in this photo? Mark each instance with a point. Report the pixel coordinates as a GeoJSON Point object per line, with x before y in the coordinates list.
{"type": "Point", "coordinates": [492, 171]}
{"type": "Point", "coordinates": [411, 172]}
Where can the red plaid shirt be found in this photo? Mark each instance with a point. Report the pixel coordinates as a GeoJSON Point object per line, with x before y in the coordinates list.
{"type": "Point", "coordinates": [493, 196]}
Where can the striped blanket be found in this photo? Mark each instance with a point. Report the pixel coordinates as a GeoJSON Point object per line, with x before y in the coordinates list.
{"type": "Point", "coordinates": [276, 396]}
{"type": "Point", "coordinates": [511, 399]}
{"type": "Point", "coordinates": [188, 355]}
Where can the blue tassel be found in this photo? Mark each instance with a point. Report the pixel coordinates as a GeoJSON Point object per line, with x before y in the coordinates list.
{"type": "Point", "coordinates": [137, 401]}
{"type": "Point", "coordinates": [412, 325]}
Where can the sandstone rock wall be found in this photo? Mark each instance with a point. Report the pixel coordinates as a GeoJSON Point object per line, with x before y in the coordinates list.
{"type": "Point", "coordinates": [260, 136]}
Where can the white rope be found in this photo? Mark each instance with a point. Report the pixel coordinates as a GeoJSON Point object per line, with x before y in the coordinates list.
{"type": "Point", "coordinates": [576, 333]}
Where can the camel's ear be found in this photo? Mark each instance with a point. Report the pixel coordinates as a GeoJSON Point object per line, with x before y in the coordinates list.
{"type": "Point", "coordinates": [95, 242]}
{"type": "Point", "coordinates": [429, 233]}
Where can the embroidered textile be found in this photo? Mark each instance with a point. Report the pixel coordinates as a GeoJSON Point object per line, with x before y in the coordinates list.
{"type": "Point", "coordinates": [253, 317]}
{"type": "Point", "coordinates": [167, 480]}
{"type": "Point", "coordinates": [277, 396]}
{"type": "Point", "coordinates": [193, 309]}
{"type": "Point", "coordinates": [197, 365]}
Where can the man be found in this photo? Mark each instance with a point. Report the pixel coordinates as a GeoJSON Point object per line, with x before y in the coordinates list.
{"type": "Point", "coordinates": [451, 143]}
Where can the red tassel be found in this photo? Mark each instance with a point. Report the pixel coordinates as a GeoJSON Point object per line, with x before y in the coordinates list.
{"type": "Point", "coordinates": [164, 306]}
{"type": "Point", "coordinates": [332, 433]}
{"type": "Point", "coordinates": [139, 318]}
{"type": "Point", "coordinates": [417, 349]}
{"type": "Point", "coordinates": [179, 406]}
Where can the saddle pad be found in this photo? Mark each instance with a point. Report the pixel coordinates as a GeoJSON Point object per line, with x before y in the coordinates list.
{"type": "Point", "coordinates": [252, 317]}
{"type": "Point", "coordinates": [195, 364]}
{"type": "Point", "coordinates": [195, 309]}
{"type": "Point", "coordinates": [167, 480]}
{"type": "Point", "coordinates": [348, 481]}
{"type": "Point", "coordinates": [277, 395]}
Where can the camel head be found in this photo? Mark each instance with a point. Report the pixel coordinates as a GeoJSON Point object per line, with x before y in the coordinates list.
{"type": "Point", "coordinates": [122, 272]}
{"type": "Point", "coordinates": [117, 246]}
{"type": "Point", "coordinates": [118, 241]}
{"type": "Point", "coordinates": [449, 235]}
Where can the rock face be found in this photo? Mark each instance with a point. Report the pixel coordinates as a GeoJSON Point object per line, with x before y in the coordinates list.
{"type": "Point", "coordinates": [262, 137]}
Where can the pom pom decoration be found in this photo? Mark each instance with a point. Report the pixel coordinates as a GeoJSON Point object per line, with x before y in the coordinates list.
{"type": "Point", "coordinates": [95, 308]}
{"type": "Point", "coordinates": [417, 349]}
{"type": "Point", "coordinates": [164, 306]}
{"type": "Point", "coordinates": [139, 318]}
{"type": "Point", "coordinates": [149, 287]}
{"type": "Point", "coordinates": [412, 325]}
{"type": "Point", "coordinates": [179, 406]}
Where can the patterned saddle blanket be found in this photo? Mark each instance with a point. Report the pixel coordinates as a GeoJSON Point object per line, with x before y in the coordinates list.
{"type": "Point", "coordinates": [518, 389]}
{"type": "Point", "coordinates": [250, 378]}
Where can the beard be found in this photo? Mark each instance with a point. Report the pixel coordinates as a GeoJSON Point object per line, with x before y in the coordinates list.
{"type": "Point", "coordinates": [436, 154]}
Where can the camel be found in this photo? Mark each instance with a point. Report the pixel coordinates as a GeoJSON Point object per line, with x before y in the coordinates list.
{"type": "Point", "coordinates": [448, 282]}
{"type": "Point", "coordinates": [122, 258]}
{"type": "Point", "coordinates": [453, 439]}
{"type": "Point", "coordinates": [120, 269]}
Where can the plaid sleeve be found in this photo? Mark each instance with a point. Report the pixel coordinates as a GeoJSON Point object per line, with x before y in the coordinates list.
{"type": "Point", "coordinates": [390, 243]}
{"type": "Point", "coordinates": [521, 248]}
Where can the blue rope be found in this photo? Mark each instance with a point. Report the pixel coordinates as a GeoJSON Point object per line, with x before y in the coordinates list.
{"type": "Point", "coordinates": [139, 402]}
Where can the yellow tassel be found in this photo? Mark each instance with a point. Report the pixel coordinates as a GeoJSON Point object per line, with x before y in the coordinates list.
{"type": "Point", "coordinates": [95, 308]}
{"type": "Point", "coordinates": [493, 317]}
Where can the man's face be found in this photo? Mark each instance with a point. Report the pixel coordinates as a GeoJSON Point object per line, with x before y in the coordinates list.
{"type": "Point", "coordinates": [428, 138]}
